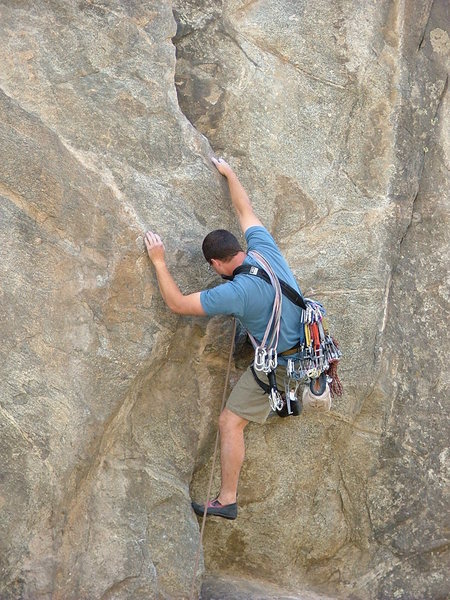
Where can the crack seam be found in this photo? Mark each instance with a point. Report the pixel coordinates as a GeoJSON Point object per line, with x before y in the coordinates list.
{"type": "Point", "coordinates": [296, 66]}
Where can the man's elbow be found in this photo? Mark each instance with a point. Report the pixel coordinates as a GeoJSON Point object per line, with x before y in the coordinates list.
{"type": "Point", "coordinates": [175, 306]}
{"type": "Point", "coordinates": [178, 306]}
{"type": "Point", "coordinates": [187, 305]}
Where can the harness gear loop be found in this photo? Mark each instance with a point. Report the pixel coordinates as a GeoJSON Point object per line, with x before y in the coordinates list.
{"type": "Point", "coordinates": [216, 446]}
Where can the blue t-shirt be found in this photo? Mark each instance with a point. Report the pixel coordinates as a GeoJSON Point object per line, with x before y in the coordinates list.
{"type": "Point", "coordinates": [250, 299]}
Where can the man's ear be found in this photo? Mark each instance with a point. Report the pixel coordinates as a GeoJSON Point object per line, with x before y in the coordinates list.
{"type": "Point", "coordinates": [214, 263]}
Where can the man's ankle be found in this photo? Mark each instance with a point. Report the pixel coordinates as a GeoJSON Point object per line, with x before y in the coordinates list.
{"type": "Point", "coordinates": [226, 499]}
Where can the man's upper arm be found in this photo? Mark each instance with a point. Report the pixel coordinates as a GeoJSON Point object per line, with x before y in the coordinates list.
{"type": "Point", "coordinates": [224, 299]}
{"type": "Point", "coordinates": [248, 219]}
{"type": "Point", "coordinates": [190, 305]}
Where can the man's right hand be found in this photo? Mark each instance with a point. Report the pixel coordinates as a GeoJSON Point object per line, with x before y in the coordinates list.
{"type": "Point", "coordinates": [222, 166]}
{"type": "Point", "coordinates": [239, 198]}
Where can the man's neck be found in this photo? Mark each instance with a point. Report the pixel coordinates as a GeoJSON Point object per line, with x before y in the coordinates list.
{"type": "Point", "coordinates": [235, 262]}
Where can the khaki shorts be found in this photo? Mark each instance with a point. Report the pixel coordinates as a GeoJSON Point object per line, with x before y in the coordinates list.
{"type": "Point", "coordinates": [248, 400]}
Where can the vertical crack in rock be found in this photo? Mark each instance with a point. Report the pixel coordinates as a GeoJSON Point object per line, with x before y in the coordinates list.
{"type": "Point", "coordinates": [405, 232]}
{"type": "Point", "coordinates": [183, 30]}
{"type": "Point", "coordinates": [422, 37]}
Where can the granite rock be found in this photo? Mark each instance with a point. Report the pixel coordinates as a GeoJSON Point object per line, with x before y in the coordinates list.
{"type": "Point", "coordinates": [334, 115]}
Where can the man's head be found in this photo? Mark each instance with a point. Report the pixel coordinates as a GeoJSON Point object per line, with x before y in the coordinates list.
{"type": "Point", "coordinates": [223, 252]}
{"type": "Point", "coordinates": [220, 245]}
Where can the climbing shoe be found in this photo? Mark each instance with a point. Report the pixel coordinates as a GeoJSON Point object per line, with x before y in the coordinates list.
{"type": "Point", "coordinates": [216, 509]}
{"type": "Point", "coordinates": [317, 395]}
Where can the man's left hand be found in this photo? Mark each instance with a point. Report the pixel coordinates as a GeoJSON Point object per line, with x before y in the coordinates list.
{"type": "Point", "coordinates": [155, 247]}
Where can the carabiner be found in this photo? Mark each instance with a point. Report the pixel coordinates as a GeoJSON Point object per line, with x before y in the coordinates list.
{"type": "Point", "coordinates": [275, 400]}
{"type": "Point", "coordinates": [272, 362]}
{"type": "Point", "coordinates": [260, 358]}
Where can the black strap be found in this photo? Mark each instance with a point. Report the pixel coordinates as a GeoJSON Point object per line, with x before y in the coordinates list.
{"type": "Point", "coordinates": [287, 290]}
{"type": "Point", "coordinates": [261, 384]}
{"type": "Point", "coordinates": [289, 408]}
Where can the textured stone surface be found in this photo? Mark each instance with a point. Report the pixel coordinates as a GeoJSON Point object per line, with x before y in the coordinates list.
{"type": "Point", "coordinates": [96, 463]}
{"type": "Point", "coordinates": [333, 113]}
{"type": "Point", "coordinates": [336, 173]}
{"type": "Point", "coordinates": [217, 587]}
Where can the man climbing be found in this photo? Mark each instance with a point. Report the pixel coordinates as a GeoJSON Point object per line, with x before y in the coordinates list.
{"type": "Point", "coordinates": [251, 300]}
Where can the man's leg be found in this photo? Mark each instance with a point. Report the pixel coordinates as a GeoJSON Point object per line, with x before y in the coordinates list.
{"type": "Point", "coordinates": [246, 398]}
{"type": "Point", "coordinates": [232, 452]}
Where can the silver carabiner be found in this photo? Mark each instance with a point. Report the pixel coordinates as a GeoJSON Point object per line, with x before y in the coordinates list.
{"type": "Point", "coordinates": [275, 400]}
{"type": "Point", "coordinates": [272, 362]}
{"type": "Point", "coordinates": [290, 368]}
{"type": "Point", "coordinates": [260, 358]}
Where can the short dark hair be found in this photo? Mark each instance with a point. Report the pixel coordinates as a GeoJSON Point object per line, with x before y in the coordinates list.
{"type": "Point", "coordinates": [220, 244]}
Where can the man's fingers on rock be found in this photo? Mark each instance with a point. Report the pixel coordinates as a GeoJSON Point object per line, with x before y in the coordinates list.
{"type": "Point", "coordinates": [217, 161]}
{"type": "Point", "coordinates": [152, 240]}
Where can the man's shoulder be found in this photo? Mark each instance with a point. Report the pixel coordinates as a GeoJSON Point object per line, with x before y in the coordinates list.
{"type": "Point", "coordinates": [225, 298]}
{"type": "Point", "coordinates": [261, 240]}
{"type": "Point", "coordinates": [259, 235]}
{"type": "Point", "coordinates": [257, 230]}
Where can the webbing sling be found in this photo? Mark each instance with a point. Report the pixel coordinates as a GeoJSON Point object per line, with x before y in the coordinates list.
{"type": "Point", "coordinates": [286, 289]}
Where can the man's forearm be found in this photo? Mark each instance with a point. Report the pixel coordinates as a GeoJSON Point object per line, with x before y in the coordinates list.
{"type": "Point", "coordinates": [239, 198]}
{"type": "Point", "coordinates": [170, 291]}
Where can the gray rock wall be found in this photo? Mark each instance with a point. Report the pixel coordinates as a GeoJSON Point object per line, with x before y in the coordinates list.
{"type": "Point", "coordinates": [334, 115]}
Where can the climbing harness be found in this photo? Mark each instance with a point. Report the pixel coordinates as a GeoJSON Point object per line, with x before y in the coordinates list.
{"type": "Point", "coordinates": [318, 354]}
{"type": "Point", "coordinates": [289, 403]}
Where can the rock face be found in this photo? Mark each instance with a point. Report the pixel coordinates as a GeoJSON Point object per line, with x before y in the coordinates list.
{"type": "Point", "coordinates": [334, 115]}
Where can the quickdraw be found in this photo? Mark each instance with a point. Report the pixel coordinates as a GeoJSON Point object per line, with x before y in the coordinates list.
{"type": "Point", "coordinates": [319, 351]}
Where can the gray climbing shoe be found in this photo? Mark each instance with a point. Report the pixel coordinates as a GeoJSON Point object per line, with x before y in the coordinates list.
{"type": "Point", "coordinates": [216, 509]}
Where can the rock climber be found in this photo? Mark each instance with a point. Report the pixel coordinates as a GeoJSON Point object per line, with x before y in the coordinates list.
{"type": "Point", "coordinates": [250, 300]}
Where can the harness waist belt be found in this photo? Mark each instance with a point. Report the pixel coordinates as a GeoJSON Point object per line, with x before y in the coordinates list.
{"type": "Point", "coordinates": [293, 350]}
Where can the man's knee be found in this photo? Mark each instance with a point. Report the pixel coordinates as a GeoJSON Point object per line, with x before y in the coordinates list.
{"type": "Point", "coordinates": [228, 420]}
